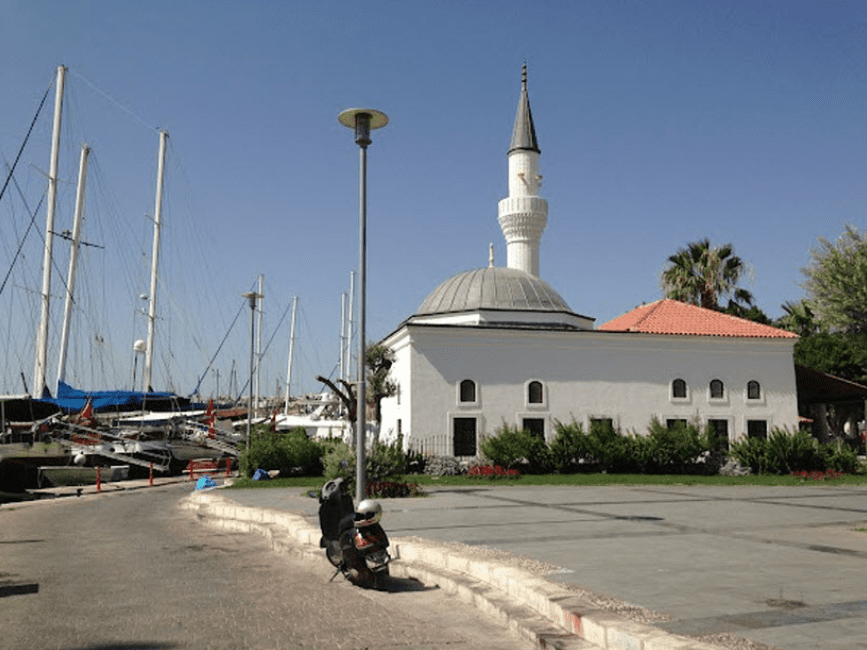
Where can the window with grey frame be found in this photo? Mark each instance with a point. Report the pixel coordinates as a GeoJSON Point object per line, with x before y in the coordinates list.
{"type": "Point", "coordinates": [678, 389]}
{"type": "Point", "coordinates": [535, 392]}
{"type": "Point", "coordinates": [754, 390]}
{"type": "Point", "coordinates": [468, 391]}
{"type": "Point", "coordinates": [717, 389]}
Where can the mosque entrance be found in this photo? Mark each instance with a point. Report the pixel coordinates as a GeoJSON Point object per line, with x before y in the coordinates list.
{"type": "Point", "coordinates": [464, 431]}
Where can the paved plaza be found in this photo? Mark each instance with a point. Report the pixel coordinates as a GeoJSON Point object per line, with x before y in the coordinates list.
{"type": "Point", "coordinates": [782, 566]}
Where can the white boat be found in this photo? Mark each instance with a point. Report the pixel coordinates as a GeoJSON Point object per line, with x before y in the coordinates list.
{"type": "Point", "coordinates": [64, 475]}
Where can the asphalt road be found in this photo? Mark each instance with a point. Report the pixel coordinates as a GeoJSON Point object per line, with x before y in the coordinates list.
{"type": "Point", "coordinates": [130, 571]}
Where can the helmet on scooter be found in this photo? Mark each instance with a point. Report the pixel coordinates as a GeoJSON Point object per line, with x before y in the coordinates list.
{"type": "Point", "coordinates": [367, 513]}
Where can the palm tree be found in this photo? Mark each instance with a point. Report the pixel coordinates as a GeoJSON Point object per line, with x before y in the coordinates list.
{"type": "Point", "coordinates": [700, 275]}
{"type": "Point", "coordinates": [799, 318]}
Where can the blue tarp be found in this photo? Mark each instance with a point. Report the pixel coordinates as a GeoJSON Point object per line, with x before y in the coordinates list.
{"type": "Point", "coordinates": [205, 482]}
{"type": "Point", "coordinates": [72, 400]}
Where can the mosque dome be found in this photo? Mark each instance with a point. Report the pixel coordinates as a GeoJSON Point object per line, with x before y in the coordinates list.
{"type": "Point", "coordinates": [495, 288]}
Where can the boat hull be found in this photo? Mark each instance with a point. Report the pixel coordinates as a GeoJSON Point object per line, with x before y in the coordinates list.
{"type": "Point", "coordinates": [61, 476]}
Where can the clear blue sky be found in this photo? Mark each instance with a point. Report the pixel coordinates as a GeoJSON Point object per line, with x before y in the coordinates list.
{"type": "Point", "coordinates": [660, 123]}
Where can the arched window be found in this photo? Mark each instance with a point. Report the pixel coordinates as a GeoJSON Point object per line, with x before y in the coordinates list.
{"type": "Point", "coordinates": [534, 393]}
{"type": "Point", "coordinates": [468, 390]}
{"type": "Point", "coordinates": [754, 390]}
{"type": "Point", "coordinates": [717, 390]}
{"type": "Point", "coordinates": [678, 389]}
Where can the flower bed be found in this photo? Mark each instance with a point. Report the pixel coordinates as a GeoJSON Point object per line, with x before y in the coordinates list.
{"type": "Point", "coordinates": [392, 490]}
{"type": "Point", "coordinates": [827, 475]}
{"type": "Point", "coordinates": [492, 472]}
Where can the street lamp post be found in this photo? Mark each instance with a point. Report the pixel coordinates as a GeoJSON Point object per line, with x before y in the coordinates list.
{"type": "Point", "coordinates": [363, 121]}
{"type": "Point", "coordinates": [251, 296]}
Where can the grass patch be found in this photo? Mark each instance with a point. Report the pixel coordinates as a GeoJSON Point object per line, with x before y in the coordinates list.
{"type": "Point", "coordinates": [288, 482]}
{"type": "Point", "coordinates": [314, 482]}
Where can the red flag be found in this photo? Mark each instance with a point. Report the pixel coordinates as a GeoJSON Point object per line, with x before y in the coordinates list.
{"type": "Point", "coordinates": [212, 433]}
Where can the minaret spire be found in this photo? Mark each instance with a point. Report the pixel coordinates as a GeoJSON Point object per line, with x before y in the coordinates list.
{"type": "Point", "coordinates": [523, 215]}
{"type": "Point", "coordinates": [524, 134]}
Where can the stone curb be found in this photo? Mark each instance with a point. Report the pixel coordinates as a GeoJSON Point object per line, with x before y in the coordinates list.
{"type": "Point", "coordinates": [548, 615]}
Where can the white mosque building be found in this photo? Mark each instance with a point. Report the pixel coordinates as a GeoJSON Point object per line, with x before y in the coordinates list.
{"type": "Point", "coordinates": [499, 345]}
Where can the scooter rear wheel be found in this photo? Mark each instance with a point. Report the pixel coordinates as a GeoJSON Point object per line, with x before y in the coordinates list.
{"type": "Point", "coordinates": [380, 579]}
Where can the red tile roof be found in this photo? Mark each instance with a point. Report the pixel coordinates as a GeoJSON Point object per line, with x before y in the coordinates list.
{"type": "Point", "coordinates": [674, 317]}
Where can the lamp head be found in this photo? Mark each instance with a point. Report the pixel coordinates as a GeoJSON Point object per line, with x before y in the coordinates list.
{"type": "Point", "coordinates": [363, 120]}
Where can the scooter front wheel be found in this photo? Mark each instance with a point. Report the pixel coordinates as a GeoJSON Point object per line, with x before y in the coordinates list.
{"type": "Point", "coordinates": [334, 555]}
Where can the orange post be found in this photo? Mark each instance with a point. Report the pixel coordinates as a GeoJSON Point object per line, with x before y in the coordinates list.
{"type": "Point", "coordinates": [228, 467]}
{"type": "Point", "coordinates": [192, 477]}
{"type": "Point", "coordinates": [151, 476]}
{"type": "Point", "coordinates": [98, 478]}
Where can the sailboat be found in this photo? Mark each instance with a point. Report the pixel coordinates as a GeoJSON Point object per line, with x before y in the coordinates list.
{"type": "Point", "coordinates": [104, 439]}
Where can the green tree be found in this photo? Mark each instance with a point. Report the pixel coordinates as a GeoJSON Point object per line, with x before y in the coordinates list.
{"type": "Point", "coordinates": [753, 313]}
{"type": "Point", "coordinates": [837, 282]}
{"type": "Point", "coordinates": [701, 274]}
{"type": "Point", "coordinates": [840, 354]}
{"type": "Point", "coordinates": [378, 362]}
{"type": "Point", "coordinates": [380, 385]}
{"type": "Point", "coordinates": [799, 318]}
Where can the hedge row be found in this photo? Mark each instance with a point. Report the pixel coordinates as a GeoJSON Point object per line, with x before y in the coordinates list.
{"type": "Point", "coordinates": [682, 449]}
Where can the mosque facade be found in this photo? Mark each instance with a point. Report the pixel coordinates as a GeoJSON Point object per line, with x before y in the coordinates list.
{"type": "Point", "coordinates": [499, 345]}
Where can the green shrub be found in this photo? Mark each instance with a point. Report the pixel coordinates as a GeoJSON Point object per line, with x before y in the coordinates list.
{"type": "Point", "coordinates": [518, 449]}
{"type": "Point", "coordinates": [416, 462]}
{"type": "Point", "coordinates": [613, 452]}
{"type": "Point", "coordinates": [602, 449]}
{"type": "Point", "coordinates": [339, 461]}
{"type": "Point", "coordinates": [675, 450]}
{"type": "Point", "coordinates": [570, 449]}
{"type": "Point", "coordinates": [384, 466]}
{"type": "Point", "coordinates": [840, 457]}
{"type": "Point", "coordinates": [292, 453]}
{"type": "Point", "coordinates": [752, 453]}
{"type": "Point", "coordinates": [784, 452]}
{"type": "Point", "coordinates": [385, 463]}
{"type": "Point", "coordinates": [788, 452]}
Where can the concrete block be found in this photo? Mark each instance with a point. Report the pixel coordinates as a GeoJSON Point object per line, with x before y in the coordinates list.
{"type": "Point", "coordinates": [671, 642]}
{"type": "Point", "coordinates": [630, 635]}
{"type": "Point", "coordinates": [595, 631]}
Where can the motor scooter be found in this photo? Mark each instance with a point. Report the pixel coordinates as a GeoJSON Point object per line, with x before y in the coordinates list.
{"type": "Point", "coordinates": [354, 542]}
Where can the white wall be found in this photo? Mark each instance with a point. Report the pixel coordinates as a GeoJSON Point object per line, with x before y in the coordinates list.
{"type": "Point", "coordinates": [623, 376]}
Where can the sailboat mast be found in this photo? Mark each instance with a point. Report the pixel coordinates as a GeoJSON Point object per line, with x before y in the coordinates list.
{"type": "Point", "coordinates": [349, 326]}
{"type": "Point", "coordinates": [259, 341]}
{"type": "Point", "coordinates": [73, 262]}
{"type": "Point", "coordinates": [39, 385]}
{"type": "Point", "coordinates": [152, 307]}
{"type": "Point", "coordinates": [343, 335]}
{"type": "Point", "coordinates": [291, 352]}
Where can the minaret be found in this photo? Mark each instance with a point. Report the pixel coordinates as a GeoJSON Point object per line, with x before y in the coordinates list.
{"type": "Point", "coordinates": [523, 215]}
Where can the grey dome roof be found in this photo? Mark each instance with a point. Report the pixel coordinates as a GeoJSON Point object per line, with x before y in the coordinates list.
{"type": "Point", "coordinates": [493, 288]}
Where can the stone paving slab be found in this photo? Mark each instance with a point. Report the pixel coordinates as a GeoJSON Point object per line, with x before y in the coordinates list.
{"type": "Point", "coordinates": [736, 560]}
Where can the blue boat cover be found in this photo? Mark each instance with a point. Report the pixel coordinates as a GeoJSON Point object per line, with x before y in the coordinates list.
{"type": "Point", "coordinates": [72, 400]}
